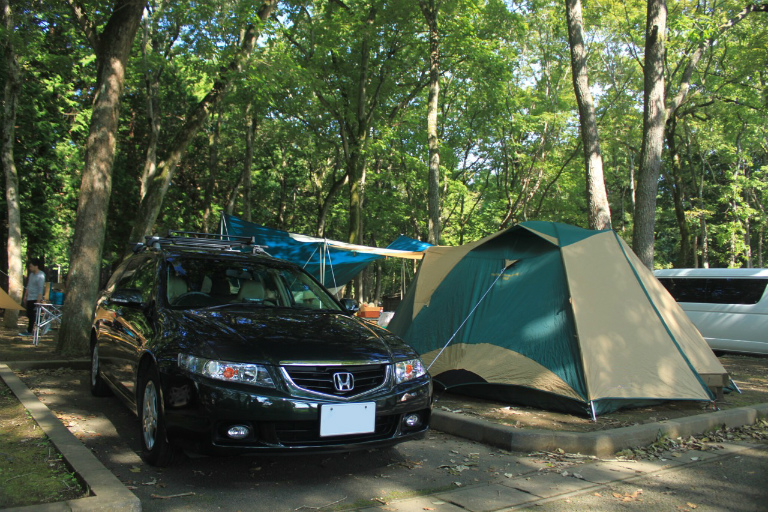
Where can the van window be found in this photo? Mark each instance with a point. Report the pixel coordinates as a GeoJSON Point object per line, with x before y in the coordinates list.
{"type": "Point", "coordinates": [715, 290]}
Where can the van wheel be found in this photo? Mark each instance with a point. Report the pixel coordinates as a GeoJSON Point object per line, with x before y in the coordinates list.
{"type": "Point", "coordinates": [155, 448]}
{"type": "Point", "coordinates": [98, 386]}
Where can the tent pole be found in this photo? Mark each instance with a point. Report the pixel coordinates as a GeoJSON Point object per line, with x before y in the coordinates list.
{"type": "Point", "coordinates": [592, 409]}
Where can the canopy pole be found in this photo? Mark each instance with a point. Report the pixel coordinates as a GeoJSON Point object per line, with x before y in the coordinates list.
{"type": "Point", "coordinates": [402, 280]}
{"type": "Point", "coordinates": [322, 262]}
{"type": "Point", "coordinates": [470, 314]}
{"type": "Point", "coordinates": [223, 223]}
{"type": "Point", "coordinates": [330, 262]}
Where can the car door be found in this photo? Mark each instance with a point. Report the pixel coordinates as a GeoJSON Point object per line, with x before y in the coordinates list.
{"type": "Point", "coordinates": [131, 327]}
{"type": "Point", "coordinates": [109, 305]}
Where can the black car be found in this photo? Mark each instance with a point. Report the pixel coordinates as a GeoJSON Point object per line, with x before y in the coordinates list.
{"type": "Point", "coordinates": [218, 347]}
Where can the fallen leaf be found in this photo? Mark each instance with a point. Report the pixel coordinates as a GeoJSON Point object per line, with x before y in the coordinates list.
{"type": "Point", "coordinates": [159, 497]}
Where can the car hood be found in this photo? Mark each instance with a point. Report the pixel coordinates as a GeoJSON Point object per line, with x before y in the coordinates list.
{"type": "Point", "coordinates": [281, 335]}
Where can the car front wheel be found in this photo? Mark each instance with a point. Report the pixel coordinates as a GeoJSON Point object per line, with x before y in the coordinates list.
{"type": "Point", "coordinates": [98, 386]}
{"type": "Point", "coordinates": [155, 448]}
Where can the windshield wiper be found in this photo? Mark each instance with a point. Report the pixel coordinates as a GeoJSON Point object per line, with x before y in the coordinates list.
{"type": "Point", "coordinates": [241, 304]}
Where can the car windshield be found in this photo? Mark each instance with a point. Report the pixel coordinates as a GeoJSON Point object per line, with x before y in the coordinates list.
{"type": "Point", "coordinates": [201, 283]}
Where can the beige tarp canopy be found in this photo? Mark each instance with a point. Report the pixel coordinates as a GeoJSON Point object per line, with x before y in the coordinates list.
{"type": "Point", "coordinates": [6, 302]}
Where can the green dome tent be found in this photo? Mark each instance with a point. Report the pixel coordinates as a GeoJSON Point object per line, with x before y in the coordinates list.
{"type": "Point", "coordinates": [554, 316]}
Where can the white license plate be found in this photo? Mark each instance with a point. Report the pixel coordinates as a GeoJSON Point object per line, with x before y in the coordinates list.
{"type": "Point", "coordinates": [347, 419]}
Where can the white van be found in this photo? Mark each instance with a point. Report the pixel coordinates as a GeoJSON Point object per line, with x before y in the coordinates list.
{"type": "Point", "coordinates": [729, 306]}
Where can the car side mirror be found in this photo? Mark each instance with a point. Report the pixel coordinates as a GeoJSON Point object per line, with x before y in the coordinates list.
{"type": "Point", "coordinates": [127, 297]}
{"type": "Point", "coordinates": [350, 305]}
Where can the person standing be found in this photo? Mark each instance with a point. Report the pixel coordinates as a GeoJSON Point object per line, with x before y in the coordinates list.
{"type": "Point", "coordinates": [33, 293]}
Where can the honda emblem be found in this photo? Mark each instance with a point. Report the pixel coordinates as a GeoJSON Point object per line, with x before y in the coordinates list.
{"type": "Point", "coordinates": [343, 381]}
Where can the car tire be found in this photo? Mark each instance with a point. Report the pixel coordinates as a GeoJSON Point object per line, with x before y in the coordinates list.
{"type": "Point", "coordinates": [155, 448]}
{"type": "Point", "coordinates": [98, 386]}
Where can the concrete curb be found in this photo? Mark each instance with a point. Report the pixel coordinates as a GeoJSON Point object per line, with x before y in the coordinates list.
{"type": "Point", "coordinates": [600, 444]}
{"type": "Point", "coordinates": [106, 491]}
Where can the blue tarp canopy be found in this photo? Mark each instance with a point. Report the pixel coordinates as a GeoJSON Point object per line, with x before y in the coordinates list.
{"type": "Point", "coordinates": [331, 262]}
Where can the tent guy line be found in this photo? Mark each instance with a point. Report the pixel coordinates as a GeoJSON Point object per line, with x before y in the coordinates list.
{"type": "Point", "coordinates": [470, 313]}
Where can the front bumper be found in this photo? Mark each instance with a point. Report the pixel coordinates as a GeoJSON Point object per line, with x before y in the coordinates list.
{"type": "Point", "coordinates": [282, 422]}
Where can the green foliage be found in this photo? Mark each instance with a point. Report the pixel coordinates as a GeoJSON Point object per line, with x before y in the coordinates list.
{"type": "Point", "coordinates": [508, 128]}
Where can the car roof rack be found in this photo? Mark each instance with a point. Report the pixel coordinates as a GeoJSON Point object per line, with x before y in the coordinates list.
{"type": "Point", "coordinates": [202, 241]}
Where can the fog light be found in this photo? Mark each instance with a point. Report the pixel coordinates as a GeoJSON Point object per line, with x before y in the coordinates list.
{"type": "Point", "coordinates": [412, 420]}
{"type": "Point", "coordinates": [238, 431]}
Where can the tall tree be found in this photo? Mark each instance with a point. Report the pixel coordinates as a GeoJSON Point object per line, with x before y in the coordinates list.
{"type": "Point", "coordinates": [10, 104]}
{"type": "Point", "coordinates": [689, 63]}
{"type": "Point", "coordinates": [597, 199]}
{"type": "Point", "coordinates": [112, 47]}
{"type": "Point", "coordinates": [430, 9]}
{"type": "Point", "coordinates": [157, 182]}
{"type": "Point", "coordinates": [654, 117]}
{"type": "Point", "coordinates": [357, 56]}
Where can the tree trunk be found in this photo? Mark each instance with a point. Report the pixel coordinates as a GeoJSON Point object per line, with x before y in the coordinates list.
{"type": "Point", "coordinates": [355, 158]}
{"type": "Point", "coordinates": [678, 195]}
{"type": "Point", "coordinates": [250, 132]}
{"type": "Point", "coordinates": [597, 198]}
{"type": "Point", "coordinates": [703, 231]}
{"type": "Point", "coordinates": [325, 204]}
{"type": "Point", "coordinates": [151, 84]}
{"type": "Point", "coordinates": [654, 117]}
{"type": "Point", "coordinates": [10, 105]}
{"type": "Point", "coordinates": [112, 47]}
{"type": "Point", "coordinates": [430, 10]}
{"type": "Point", "coordinates": [213, 165]}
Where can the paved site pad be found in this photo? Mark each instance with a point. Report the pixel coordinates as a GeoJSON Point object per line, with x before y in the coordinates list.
{"type": "Point", "coordinates": [441, 473]}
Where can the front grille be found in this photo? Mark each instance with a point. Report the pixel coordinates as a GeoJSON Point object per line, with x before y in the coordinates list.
{"type": "Point", "coordinates": [320, 379]}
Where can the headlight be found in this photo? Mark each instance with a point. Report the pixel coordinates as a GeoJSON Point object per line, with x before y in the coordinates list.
{"type": "Point", "coordinates": [408, 370]}
{"type": "Point", "coordinates": [243, 373]}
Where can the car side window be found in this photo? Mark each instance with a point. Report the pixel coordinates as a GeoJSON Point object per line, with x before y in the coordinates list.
{"type": "Point", "coordinates": [715, 290]}
{"type": "Point", "coordinates": [137, 282]}
{"type": "Point", "coordinates": [144, 279]}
